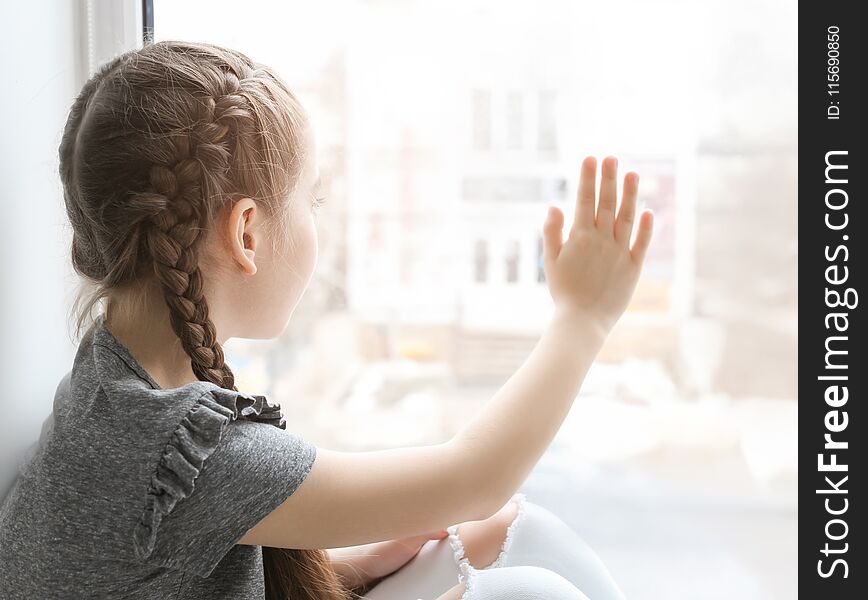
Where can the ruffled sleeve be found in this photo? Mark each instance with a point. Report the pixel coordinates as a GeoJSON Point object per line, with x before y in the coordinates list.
{"type": "Point", "coordinates": [228, 463]}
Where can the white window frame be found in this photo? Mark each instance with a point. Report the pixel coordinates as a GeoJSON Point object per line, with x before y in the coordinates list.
{"type": "Point", "coordinates": [110, 28]}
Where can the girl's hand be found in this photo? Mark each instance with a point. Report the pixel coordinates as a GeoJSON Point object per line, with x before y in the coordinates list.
{"type": "Point", "coordinates": [358, 566]}
{"type": "Point", "coordinates": [594, 273]}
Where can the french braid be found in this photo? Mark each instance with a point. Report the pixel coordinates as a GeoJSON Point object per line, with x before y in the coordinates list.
{"type": "Point", "coordinates": [156, 144]}
{"type": "Point", "coordinates": [173, 231]}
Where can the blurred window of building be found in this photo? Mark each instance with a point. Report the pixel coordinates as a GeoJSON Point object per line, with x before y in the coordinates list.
{"type": "Point", "coordinates": [482, 119]}
{"type": "Point", "coordinates": [547, 139]}
{"type": "Point", "coordinates": [514, 120]}
{"type": "Point", "coordinates": [480, 261]}
{"type": "Point", "coordinates": [513, 255]}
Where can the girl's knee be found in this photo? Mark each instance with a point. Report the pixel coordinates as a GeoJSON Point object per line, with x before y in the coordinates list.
{"type": "Point", "coordinates": [544, 540]}
{"type": "Point", "coordinates": [483, 543]}
{"type": "Point", "coordinates": [526, 534]}
{"type": "Point", "coordinates": [486, 543]}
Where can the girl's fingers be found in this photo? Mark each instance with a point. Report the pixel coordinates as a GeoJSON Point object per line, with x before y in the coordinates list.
{"type": "Point", "coordinates": [608, 195]}
{"type": "Point", "coordinates": [586, 195]}
{"type": "Point", "coordinates": [627, 212]}
{"type": "Point", "coordinates": [553, 235]}
{"type": "Point", "coordinates": [643, 236]}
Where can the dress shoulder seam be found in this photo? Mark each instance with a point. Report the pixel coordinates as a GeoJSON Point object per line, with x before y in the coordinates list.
{"type": "Point", "coordinates": [130, 366]}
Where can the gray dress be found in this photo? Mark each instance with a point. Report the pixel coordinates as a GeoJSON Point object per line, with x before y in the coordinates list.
{"type": "Point", "coordinates": [141, 492]}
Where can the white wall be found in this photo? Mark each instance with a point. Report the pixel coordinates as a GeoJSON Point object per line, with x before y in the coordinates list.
{"type": "Point", "coordinates": [48, 56]}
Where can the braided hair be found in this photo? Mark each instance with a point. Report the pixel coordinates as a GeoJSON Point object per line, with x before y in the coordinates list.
{"type": "Point", "coordinates": [158, 142]}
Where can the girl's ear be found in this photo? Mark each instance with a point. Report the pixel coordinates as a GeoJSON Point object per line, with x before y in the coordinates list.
{"type": "Point", "coordinates": [242, 239]}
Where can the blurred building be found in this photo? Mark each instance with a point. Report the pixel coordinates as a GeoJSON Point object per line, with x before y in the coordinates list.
{"type": "Point", "coordinates": [448, 188]}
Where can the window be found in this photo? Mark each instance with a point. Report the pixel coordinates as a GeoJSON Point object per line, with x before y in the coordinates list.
{"type": "Point", "coordinates": [481, 119]}
{"type": "Point", "coordinates": [480, 261]}
{"type": "Point", "coordinates": [547, 132]}
{"type": "Point", "coordinates": [513, 254]}
{"type": "Point", "coordinates": [455, 153]}
{"type": "Point", "coordinates": [514, 120]}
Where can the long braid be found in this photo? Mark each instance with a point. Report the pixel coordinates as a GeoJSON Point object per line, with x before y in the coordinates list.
{"type": "Point", "coordinates": [171, 240]}
{"type": "Point", "coordinates": [199, 161]}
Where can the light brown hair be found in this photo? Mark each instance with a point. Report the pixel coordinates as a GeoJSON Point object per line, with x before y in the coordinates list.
{"type": "Point", "coordinates": [157, 144]}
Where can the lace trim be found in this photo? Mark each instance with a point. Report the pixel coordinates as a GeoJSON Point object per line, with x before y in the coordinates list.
{"type": "Point", "coordinates": [192, 442]}
{"type": "Point", "coordinates": [464, 567]}
{"type": "Point", "coordinates": [469, 586]}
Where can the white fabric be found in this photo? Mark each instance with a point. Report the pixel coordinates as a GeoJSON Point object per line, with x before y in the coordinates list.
{"type": "Point", "coordinates": [520, 583]}
{"type": "Point", "coordinates": [541, 557]}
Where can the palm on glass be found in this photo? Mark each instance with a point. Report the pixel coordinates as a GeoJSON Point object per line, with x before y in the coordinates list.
{"type": "Point", "coordinates": [594, 272]}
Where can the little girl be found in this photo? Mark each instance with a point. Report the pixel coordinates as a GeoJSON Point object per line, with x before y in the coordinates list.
{"type": "Point", "coordinates": [191, 183]}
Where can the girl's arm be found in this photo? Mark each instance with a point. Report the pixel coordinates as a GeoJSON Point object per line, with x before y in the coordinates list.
{"type": "Point", "coordinates": [351, 498]}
